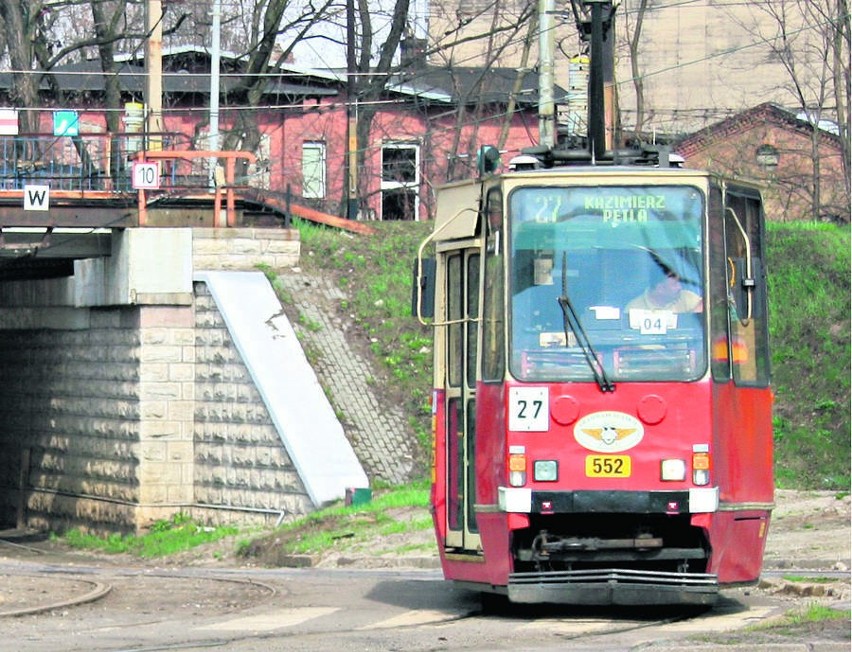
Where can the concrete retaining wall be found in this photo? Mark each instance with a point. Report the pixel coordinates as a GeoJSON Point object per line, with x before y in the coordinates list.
{"type": "Point", "coordinates": [113, 416]}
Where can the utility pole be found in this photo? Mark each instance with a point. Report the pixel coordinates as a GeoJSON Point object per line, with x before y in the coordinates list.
{"type": "Point", "coordinates": [154, 73]}
{"type": "Point", "coordinates": [546, 111]}
{"type": "Point", "coordinates": [351, 115]}
{"type": "Point", "coordinates": [215, 56]}
{"type": "Point", "coordinates": [597, 127]}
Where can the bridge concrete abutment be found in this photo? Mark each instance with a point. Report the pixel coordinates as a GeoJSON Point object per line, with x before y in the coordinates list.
{"type": "Point", "coordinates": [124, 398]}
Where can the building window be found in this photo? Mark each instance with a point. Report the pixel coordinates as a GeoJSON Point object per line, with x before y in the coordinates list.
{"type": "Point", "coordinates": [313, 170]}
{"type": "Point", "coordinates": [400, 181]}
{"type": "Point", "coordinates": [767, 156]}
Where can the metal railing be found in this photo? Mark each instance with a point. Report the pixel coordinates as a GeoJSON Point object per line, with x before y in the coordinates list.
{"type": "Point", "coordinates": [89, 162]}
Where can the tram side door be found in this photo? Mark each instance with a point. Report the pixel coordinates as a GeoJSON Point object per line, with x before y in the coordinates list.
{"type": "Point", "coordinates": [462, 305]}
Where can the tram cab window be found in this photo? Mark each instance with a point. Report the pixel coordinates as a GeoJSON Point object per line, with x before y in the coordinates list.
{"type": "Point", "coordinates": [600, 252]}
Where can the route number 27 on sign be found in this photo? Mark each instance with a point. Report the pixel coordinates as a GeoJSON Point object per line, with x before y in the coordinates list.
{"type": "Point", "coordinates": [529, 409]}
{"type": "Point", "coordinates": [146, 176]}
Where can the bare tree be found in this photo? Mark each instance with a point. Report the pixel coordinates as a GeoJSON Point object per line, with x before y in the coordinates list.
{"type": "Point", "coordinates": [810, 40]}
{"type": "Point", "coordinates": [633, 20]}
{"type": "Point", "coordinates": [471, 108]}
{"type": "Point", "coordinates": [22, 21]}
{"type": "Point", "coordinates": [371, 79]}
{"type": "Point", "coordinates": [511, 104]}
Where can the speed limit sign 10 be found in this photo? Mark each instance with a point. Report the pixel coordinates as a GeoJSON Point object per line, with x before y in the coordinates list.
{"type": "Point", "coordinates": [146, 176]}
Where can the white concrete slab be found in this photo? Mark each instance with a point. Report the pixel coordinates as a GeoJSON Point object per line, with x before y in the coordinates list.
{"type": "Point", "coordinates": [299, 408]}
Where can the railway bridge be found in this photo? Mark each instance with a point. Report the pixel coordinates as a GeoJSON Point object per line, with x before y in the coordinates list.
{"type": "Point", "coordinates": [146, 366]}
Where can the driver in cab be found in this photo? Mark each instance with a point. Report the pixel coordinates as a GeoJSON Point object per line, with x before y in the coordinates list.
{"type": "Point", "coordinates": [667, 294]}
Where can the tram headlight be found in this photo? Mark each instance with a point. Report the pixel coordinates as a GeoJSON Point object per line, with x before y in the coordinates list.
{"type": "Point", "coordinates": [517, 470]}
{"type": "Point", "coordinates": [545, 470]}
{"type": "Point", "coordinates": [700, 477]}
{"type": "Point", "coordinates": [700, 468]}
{"type": "Point", "coordinates": [673, 470]}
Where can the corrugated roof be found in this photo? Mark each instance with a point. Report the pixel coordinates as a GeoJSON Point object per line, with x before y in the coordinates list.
{"type": "Point", "coordinates": [461, 84]}
{"type": "Point", "coordinates": [448, 85]}
{"type": "Point", "coordinates": [87, 77]}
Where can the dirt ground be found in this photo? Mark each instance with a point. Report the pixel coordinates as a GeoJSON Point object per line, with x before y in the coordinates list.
{"type": "Point", "coordinates": [810, 530]}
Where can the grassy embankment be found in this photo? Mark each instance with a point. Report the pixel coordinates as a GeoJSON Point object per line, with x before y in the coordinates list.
{"type": "Point", "coordinates": [809, 301]}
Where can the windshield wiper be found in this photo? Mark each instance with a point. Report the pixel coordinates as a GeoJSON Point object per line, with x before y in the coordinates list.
{"type": "Point", "coordinates": [571, 322]}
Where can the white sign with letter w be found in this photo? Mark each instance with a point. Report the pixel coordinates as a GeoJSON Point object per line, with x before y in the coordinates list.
{"type": "Point", "coordinates": [36, 198]}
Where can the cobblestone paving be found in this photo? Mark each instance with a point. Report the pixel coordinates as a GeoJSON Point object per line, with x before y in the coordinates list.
{"type": "Point", "coordinates": [376, 429]}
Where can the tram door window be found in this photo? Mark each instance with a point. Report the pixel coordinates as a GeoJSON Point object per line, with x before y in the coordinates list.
{"type": "Point", "coordinates": [748, 350]}
{"type": "Point", "coordinates": [493, 311]}
{"type": "Point", "coordinates": [720, 365]}
{"type": "Point", "coordinates": [462, 301]}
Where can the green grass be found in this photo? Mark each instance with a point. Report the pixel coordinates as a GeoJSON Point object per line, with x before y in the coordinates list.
{"type": "Point", "coordinates": [809, 298]}
{"type": "Point", "coordinates": [354, 526]}
{"type": "Point", "coordinates": [812, 621]}
{"type": "Point", "coordinates": [414, 495]}
{"type": "Point", "coordinates": [809, 580]}
{"type": "Point", "coordinates": [377, 272]}
{"type": "Point", "coordinates": [801, 618]}
{"type": "Point", "coordinates": [165, 538]}
{"type": "Point", "coordinates": [809, 295]}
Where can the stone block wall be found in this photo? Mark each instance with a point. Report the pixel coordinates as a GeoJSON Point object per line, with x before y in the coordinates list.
{"type": "Point", "coordinates": [244, 248]}
{"type": "Point", "coordinates": [69, 409]}
{"type": "Point", "coordinates": [241, 467]}
{"type": "Point", "coordinates": [166, 399]}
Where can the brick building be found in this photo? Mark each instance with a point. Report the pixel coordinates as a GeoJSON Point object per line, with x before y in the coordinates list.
{"type": "Point", "coordinates": [799, 165]}
{"type": "Point", "coordinates": [427, 129]}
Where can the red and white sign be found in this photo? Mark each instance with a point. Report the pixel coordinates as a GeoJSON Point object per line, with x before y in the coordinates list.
{"type": "Point", "coordinates": [8, 122]}
{"type": "Point", "coordinates": [146, 176]}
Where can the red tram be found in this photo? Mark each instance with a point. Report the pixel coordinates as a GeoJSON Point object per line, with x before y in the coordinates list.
{"type": "Point", "coordinates": [601, 405]}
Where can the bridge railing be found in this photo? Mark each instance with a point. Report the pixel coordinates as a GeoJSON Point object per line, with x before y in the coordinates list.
{"type": "Point", "coordinates": [90, 162]}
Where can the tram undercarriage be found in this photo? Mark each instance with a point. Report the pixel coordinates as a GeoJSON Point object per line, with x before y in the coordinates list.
{"type": "Point", "coordinates": [618, 559]}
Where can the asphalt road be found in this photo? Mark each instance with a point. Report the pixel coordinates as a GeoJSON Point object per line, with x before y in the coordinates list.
{"type": "Point", "coordinates": [56, 601]}
{"type": "Point", "coordinates": [107, 607]}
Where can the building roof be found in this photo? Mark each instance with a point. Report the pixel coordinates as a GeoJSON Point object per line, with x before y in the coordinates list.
{"type": "Point", "coordinates": [184, 73]}
{"type": "Point", "coordinates": [461, 84]}
{"type": "Point", "coordinates": [758, 115]}
{"type": "Point", "coordinates": [88, 77]}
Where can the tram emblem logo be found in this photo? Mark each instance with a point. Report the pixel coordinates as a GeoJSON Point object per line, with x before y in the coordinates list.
{"type": "Point", "coordinates": [608, 432]}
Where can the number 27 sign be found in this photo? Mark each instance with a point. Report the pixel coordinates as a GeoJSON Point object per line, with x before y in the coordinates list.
{"type": "Point", "coordinates": [146, 176]}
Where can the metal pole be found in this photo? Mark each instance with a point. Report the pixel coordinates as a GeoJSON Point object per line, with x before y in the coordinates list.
{"type": "Point", "coordinates": [215, 57]}
{"type": "Point", "coordinates": [597, 131]}
{"type": "Point", "coordinates": [154, 68]}
{"type": "Point", "coordinates": [352, 116]}
{"type": "Point", "coordinates": [546, 112]}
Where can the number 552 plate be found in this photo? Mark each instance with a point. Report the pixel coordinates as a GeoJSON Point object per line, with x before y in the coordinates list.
{"type": "Point", "coordinates": [608, 466]}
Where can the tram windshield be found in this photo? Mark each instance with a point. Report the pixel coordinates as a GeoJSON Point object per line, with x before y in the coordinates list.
{"type": "Point", "coordinates": [627, 261]}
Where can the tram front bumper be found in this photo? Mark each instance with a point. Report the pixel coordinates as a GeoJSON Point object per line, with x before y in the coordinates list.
{"type": "Point", "coordinates": [614, 587]}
